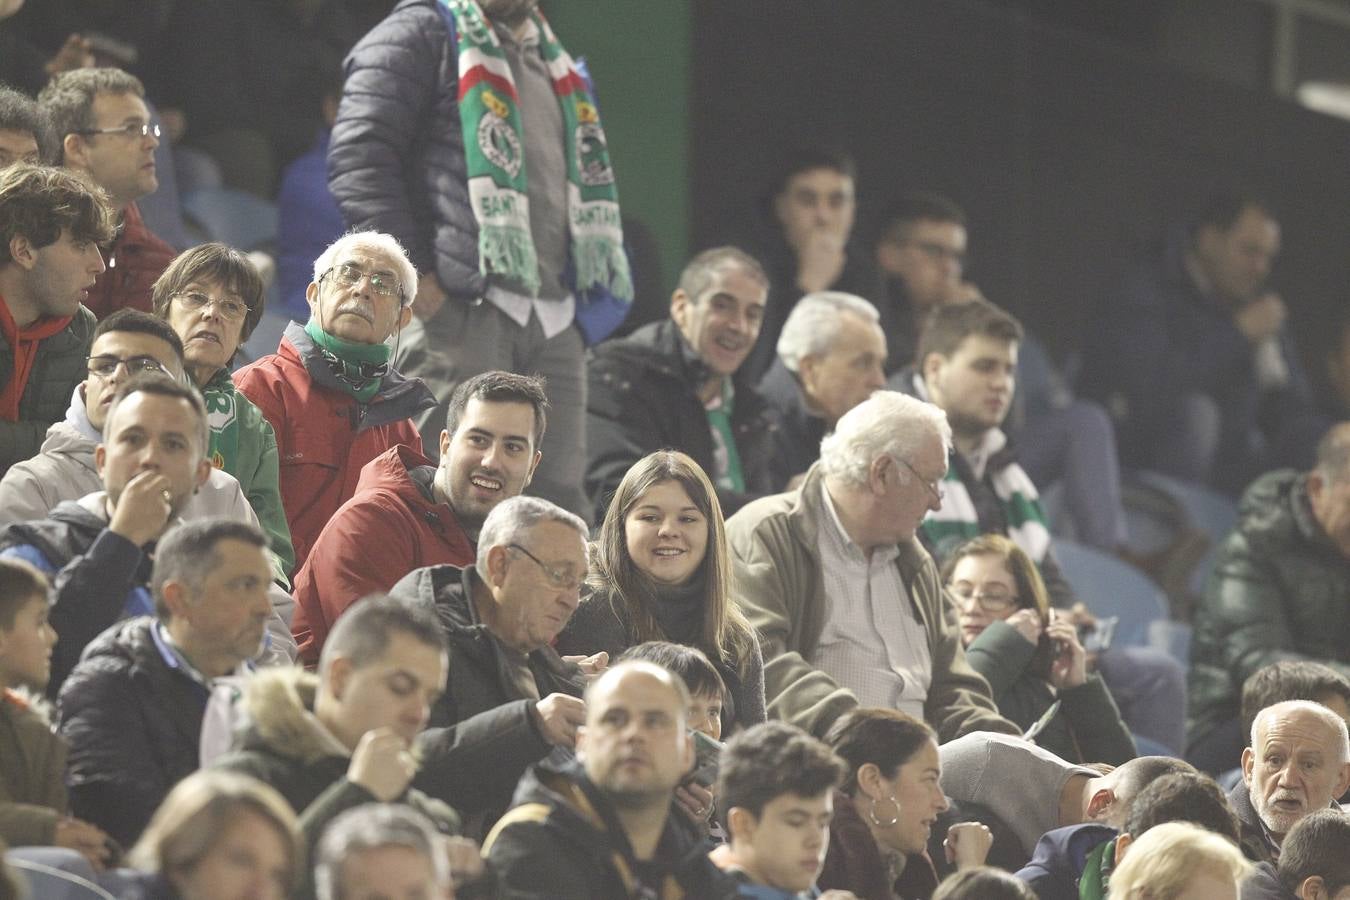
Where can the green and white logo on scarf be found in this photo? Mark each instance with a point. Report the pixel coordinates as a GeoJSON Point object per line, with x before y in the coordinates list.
{"type": "Point", "coordinates": [495, 157]}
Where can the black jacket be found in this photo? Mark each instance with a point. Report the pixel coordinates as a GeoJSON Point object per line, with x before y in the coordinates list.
{"type": "Point", "coordinates": [93, 571]}
{"type": "Point", "coordinates": [1254, 839]}
{"type": "Point", "coordinates": [482, 735]}
{"type": "Point", "coordinates": [643, 397]}
{"type": "Point", "coordinates": [562, 841]}
{"type": "Point", "coordinates": [133, 720]}
{"type": "Point", "coordinates": [797, 441]}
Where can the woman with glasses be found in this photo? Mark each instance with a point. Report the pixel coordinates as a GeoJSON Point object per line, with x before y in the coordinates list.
{"type": "Point", "coordinates": [212, 297]}
{"type": "Point", "coordinates": [1031, 657]}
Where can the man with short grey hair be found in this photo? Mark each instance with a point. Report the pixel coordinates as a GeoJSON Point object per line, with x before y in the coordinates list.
{"type": "Point", "coordinates": [1298, 763]}
{"type": "Point", "coordinates": [848, 605]}
{"type": "Point", "coordinates": [830, 358]}
{"type": "Point", "coordinates": [511, 698]}
{"type": "Point", "coordinates": [381, 849]}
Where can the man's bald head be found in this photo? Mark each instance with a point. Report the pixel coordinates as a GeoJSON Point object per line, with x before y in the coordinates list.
{"type": "Point", "coordinates": [1299, 762]}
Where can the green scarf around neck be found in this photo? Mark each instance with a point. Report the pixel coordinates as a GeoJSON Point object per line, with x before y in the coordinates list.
{"type": "Point", "coordinates": [358, 368]}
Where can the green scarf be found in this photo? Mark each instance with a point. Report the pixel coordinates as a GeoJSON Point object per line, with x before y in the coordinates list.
{"type": "Point", "coordinates": [495, 157]}
{"type": "Point", "coordinates": [358, 368]}
{"type": "Point", "coordinates": [223, 418]}
{"type": "Point", "coordinates": [958, 521]}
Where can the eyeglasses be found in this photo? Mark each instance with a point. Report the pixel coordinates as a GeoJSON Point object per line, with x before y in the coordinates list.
{"type": "Point", "coordinates": [380, 283]}
{"type": "Point", "coordinates": [931, 487]}
{"type": "Point", "coordinates": [228, 307]}
{"type": "Point", "coordinates": [134, 130]}
{"type": "Point", "coordinates": [996, 599]}
{"type": "Point", "coordinates": [563, 579]}
{"type": "Point", "coordinates": [104, 366]}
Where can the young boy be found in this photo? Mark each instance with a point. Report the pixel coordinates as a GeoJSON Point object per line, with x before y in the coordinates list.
{"type": "Point", "coordinates": [32, 756]}
{"type": "Point", "coordinates": [775, 793]}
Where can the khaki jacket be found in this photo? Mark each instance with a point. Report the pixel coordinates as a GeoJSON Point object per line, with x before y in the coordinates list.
{"type": "Point", "coordinates": [781, 589]}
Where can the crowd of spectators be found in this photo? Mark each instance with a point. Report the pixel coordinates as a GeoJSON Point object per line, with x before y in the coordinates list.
{"type": "Point", "coordinates": [453, 594]}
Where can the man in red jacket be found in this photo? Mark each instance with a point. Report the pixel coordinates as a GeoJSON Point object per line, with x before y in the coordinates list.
{"type": "Point", "coordinates": [329, 391]}
{"type": "Point", "coordinates": [105, 132]}
{"type": "Point", "coordinates": [415, 514]}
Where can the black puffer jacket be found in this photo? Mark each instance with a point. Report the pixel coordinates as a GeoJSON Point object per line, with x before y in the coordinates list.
{"type": "Point", "coordinates": [396, 160]}
{"type": "Point", "coordinates": [1279, 590]}
{"type": "Point", "coordinates": [482, 736]}
{"type": "Point", "coordinates": [133, 721]}
{"type": "Point", "coordinates": [59, 366]}
{"type": "Point", "coordinates": [643, 397]}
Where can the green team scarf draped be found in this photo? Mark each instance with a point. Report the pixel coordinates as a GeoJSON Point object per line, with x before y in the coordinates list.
{"type": "Point", "coordinates": [957, 522]}
{"type": "Point", "coordinates": [495, 157]}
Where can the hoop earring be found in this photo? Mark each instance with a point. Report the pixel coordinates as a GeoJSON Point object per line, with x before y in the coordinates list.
{"type": "Point", "coordinates": [872, 813]}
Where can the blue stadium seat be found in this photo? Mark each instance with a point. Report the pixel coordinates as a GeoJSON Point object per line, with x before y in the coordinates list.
{"type": "Point", "coordinates": [1111, 587]}
{"type": "Point", "coordinates": [232, 216]}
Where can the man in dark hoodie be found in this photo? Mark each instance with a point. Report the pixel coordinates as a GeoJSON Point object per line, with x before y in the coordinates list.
{"type": "Point", "coordinates": [511, 699]}
{"type": "Point", "coordinates": [1076, 861]}
{"type": "Point", "coordinates": [421, 514]}
{"type": "Point", "coordinates": [604, 826]}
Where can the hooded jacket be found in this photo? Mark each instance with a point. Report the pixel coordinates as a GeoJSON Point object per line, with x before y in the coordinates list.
{"type": "Point", "coordinates": [1280, 590]}
{"type": "Point", "coordinates": [32, 774]}
{"type": "Point", "coordinates": [99, 577]}
{"type": "Point", "coordinates": [283, 745]}
{"type": "Point", "coordinates": [133, 718]}
{"type": "Point", "coordinates": [562, 841]}
{"type": "Point", "coordinates": [483, 735]}
{"type": "Point", "coordinates": [58, 367]}
{"type": "Point", "coordinates": [325, 436]}
{"type": "Point", "coordinates": [390, 527]}
{"type": "Point", "coordinates": [781, 588]}
{"type": "Point", "coordinates": [643, 396]}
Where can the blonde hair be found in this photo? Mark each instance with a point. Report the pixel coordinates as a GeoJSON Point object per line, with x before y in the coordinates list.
{"type": "Point", "coordinates": [1165, 858]}
{"type": "Point", "coordinates": [196, 813]}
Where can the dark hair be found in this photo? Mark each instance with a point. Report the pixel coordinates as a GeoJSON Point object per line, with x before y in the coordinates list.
{"type": "Point", "coordinates": [69, 99]}
{"type": "Point", "coordinates": [20, 584]}
{"type": "Point", "coordinates": [917, 206]}
{"type": "Point", "coordinates": [725, 633]}
{"type": "Point", "coordinates": [983, 883]}
{"type": "Point", "coordinates": [217, 262]}
{"type": "Point", "coordinates": [689, 663]}
{"type": "Point", "coordinates": [1031, 592]}
{"type": "Point", "coordinates": [39, 202]}
{"type": "Point", "coordinates": [159, 385]}
{"type": "Point", "coordinates": [1223, 206]}
{"type": "Point", "coordinates": [805, 158]}
{"type": "Point", "coordinates": [137, 322]}
{"type": "Point", "coordinates": [771, 759]}
{"type": "Point", "coordinates": [1289, 679]}
{"type": "Point", "coordinates": [187, 553]}
{"type": "Point", "coordinates": [500, 387]}
{"type": "Point", "coordinates": [19, 112]}
{"type": "Point", "coordinates": [697, 274]}
{"type": "Point", "coordinates": [951, 323]}
{"type": "Point", "coordinates": [1317, 845]}
{"type": "Point", "coordinates": [1129, 778]}
{"type": "Point", "coordinates": [886, 738]}
{"type": "Point", "coordinates": [1182, 797]}
{"type": "Point", "coordinates": [362, 633]}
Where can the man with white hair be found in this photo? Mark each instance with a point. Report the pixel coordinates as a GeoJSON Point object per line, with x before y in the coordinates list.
{"type": "Point", "coordinates": [511, 698]}
{"type": "Point", "coordinates": [1298, 763]}
{"type": "Point", "coordinates": [830, 357]}
{"type": "Point", "coordinates": [382, 850]}
{"type": "Point", "coordinates": [848, 605]}
{"type": "Point", "coordinates": [329, 391]}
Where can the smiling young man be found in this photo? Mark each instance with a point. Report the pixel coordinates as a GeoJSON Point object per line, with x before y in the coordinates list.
{"type": "Point", "coordinates": [51, 223]}
{"type": "Point", "coordinates": [421, 514]}
{"type": "Point", "coordinates": [679, 384]}
{"type": "Point", "coordinates": [330, 392]}
{"type": "Point", "coordinates": [775, 790]}
{"type": "Point", "coordinates": [105, 132]}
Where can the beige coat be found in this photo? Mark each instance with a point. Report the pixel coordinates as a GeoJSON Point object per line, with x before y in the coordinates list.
{"type": "Point", "coordinates": [781, 588]}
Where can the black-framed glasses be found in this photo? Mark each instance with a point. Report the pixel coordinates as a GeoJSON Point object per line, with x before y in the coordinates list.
{"type": "Point", "coordinates": [227, 307]}
{"type": "Point", "coordinates": [932, 487]}
{"type": "Point", "coordinates": [563, 579]}
{"type": "Point", "coordinates": [106, 364]}
{"type": "Point", "coordinates": [994, 599]}
{"type": "Point", "coordinates": [133, 130]}
{"type": "Point", "coordinates": [380, 283]}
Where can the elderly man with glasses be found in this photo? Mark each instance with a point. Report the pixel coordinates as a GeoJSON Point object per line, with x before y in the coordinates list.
{"type": "Point", "coordinates": [511, 699]}
{"type": "Point", "coordinates": [330, 393]}
{"type": "Point", "coordinates": [104, 130]}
